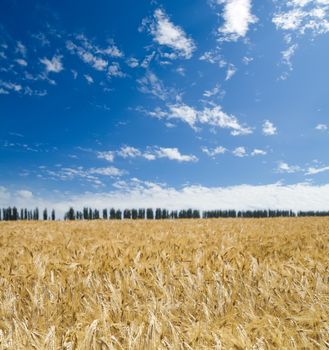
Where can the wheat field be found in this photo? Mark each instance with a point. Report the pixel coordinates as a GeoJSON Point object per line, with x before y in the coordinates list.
{"type": "Point", "coordinates": [184, 284]}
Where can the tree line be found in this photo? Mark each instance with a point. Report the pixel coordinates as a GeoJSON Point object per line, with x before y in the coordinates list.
{"type": "Point", "coordinates": [13, 214]}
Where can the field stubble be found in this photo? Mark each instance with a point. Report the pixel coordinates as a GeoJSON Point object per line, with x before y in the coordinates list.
{"type": "Point", "coordinates": [193, 284]}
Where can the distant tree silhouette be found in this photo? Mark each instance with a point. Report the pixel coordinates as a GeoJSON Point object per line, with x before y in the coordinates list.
{"type": "Point", "coordinates": [158, 213]}
{"type": "Point", "coordinates": [118, 214]}
{"type": "Point", "coordinates": [134, 214]}
{"type": "Point", "coordinates": [70, 215]}
{"type": "Point", "coordinates": [85, 213]}
{"type": "Point", "coordinates": [96, 214]}
{"type": "Point", "coordinates": [112, 214]}
{"type": "Point", "coordinates": [149, 214]}
{"type": "Point", "coordinates": [36, 214]}
{"type": "Point", "coordinates": [45, 214]}
{"type": "Point", "coordinates": [127, 214]}
{"type": "Point", "coordinates": [15, 215]}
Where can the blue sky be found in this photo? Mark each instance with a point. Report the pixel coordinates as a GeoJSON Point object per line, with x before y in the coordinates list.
{"type": "Point", "coordinates": [189, 103]}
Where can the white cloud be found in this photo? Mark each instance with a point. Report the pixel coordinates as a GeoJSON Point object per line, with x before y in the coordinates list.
{"type": "Point", "coordinates": [89, 79]}
{"type": "Point", "coordinates": [231, 70]}
{"type": "Point", "coordinates": [151, 153]}
{"type": "Point", "coordinates": [21, 62]}
{"type": "Point", "coordinates": [108, 171]}
{"type": "Point", "coordinates": [74, 73]}
{"type": "Point", "coordinates": [166, 33]}
{"type": "Point", "coordinates": [151, 84]}
{"type": "Point", "coordinates": [90, 175]}
{"type": "Point", "coordinates": [314, 171]}
{"type": "Point", "coordinates": [301, 16]}
{"type": "Point", "coordinates": [213, 57]}
{"type": "Point", "coordinates": [41, 37]}
{"type": "Point", "coordinates": [114, 70]}
{"type": "Point", "coordinates": [9, 86]}
{"type": "Point", "coordinates": [288, 54]}
{"type": "Point", "coordinates": [247, 60]}
{"type": "Point", "coordinates": [53, 65]}
{"type": "Point", "coordinates": [209, 116]}
{"type": "Point", "coordinates": [286, 168]}
{"type": "Point", "coordinates": [108, 155]}
{"type": "Point", "coordinates": [216, 117]}
{"type": "Point", "coordinates": [112, 50]}
{"type": "Point", "coordinates": [132, 62]}
{"type": "Point", "coordinates": [269, 129]}
{"type": "Point", "coordinates": [258, 152]}
{"type": "Point", "coordinates": [20, 48]}
{"type": "Point", "coordinates": [129, 152]}
{"type": "Point", "coordinates": [240, 152]}
{"type": "Point", "coordinates": [215, 151]}
{"type": "Point", "coordinates": [25, 194]}
{"type": "Point", "coordinates": [147, 60]}
{"type": "Point", "coordinates": [237, 19]}
{"type": "Point", "coordinates": [30, 92]}
{"type": "Point", "coordinates": [143, 194]}
{"type": "Point", "coordinates": [213, 92]}
{"type": "Point", "coordinates": [183, 112]}
{"type": "Point", "coordinates": [181, 71]}
{"type": "Point", "coordinates": [174, 154]}
{"type": "Point", "coordinates": [321, 127]}
{"type": "Point", "coordinates": [92, 54]}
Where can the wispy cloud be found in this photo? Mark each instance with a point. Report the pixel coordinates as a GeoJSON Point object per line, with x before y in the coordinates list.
{"type": "Point", "coordinates": [237, 152]}
{"type": "Point", "coordinates": [108, 155]}
{"type": "Point", "coordinates": [151, 84]}
{"type": "Point", "coordinates": [231, 70]}
{"type": "Point", "coordinates": [132, 62]}
{"type": "Point", "coordinates": [89, 79]}
{"type": "Point", "coordinates": [151, 153]}
{"type": "Point", "coordinates": [208, 116]}
{"type": "Point", "coordinates": [240, 152]}
{"type": "Point", "coordinates": [21, 49]}
{"type": "Point", "coordinates": [129, 152]}
{"type": "Point", "coordinates": [92, 54]}
{"type": "Point", "coordinates": [321, 127]}
{"type": "Point", "coordinates": [53, 65]}
{"type": "Point", "coordinates": [213, 92]}
{"type": "Point", "coordinates": [9, 86]}
{"type": "Point", "coordinates": [114, 70]}
{"type": "Point", "coordinates": [166, 33]}
{"type": "Point", "coordinates": [284, 167]}
{"type": "Point", "coordinates": [314, 171]}
{"type": "Point", "coordinates": [287, 55]}
{"type": "Point", "coordinates": [21, 62]}
{"type": "Point", "coordinates": [91, 175]}
{"type": "Point", "coordinates": [303, 15]}
{"type": "Point", "coordinates": [212, 152]}
{"type": "Point", "coordinates": [214, 57]}
{"type": "Point", "coordinates": [258, 152]}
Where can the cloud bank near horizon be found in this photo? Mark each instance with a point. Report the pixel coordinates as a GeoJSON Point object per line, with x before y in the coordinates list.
{"type": "Point", "coordinates": [139, 194]}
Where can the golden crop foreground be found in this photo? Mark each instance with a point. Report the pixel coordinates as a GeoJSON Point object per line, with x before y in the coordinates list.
{"type": "Point", "coordinates": [193, 284]}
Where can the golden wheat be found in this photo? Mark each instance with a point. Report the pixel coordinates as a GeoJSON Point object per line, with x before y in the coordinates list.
{"type": "Point", "coordinates": [194, 284]}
